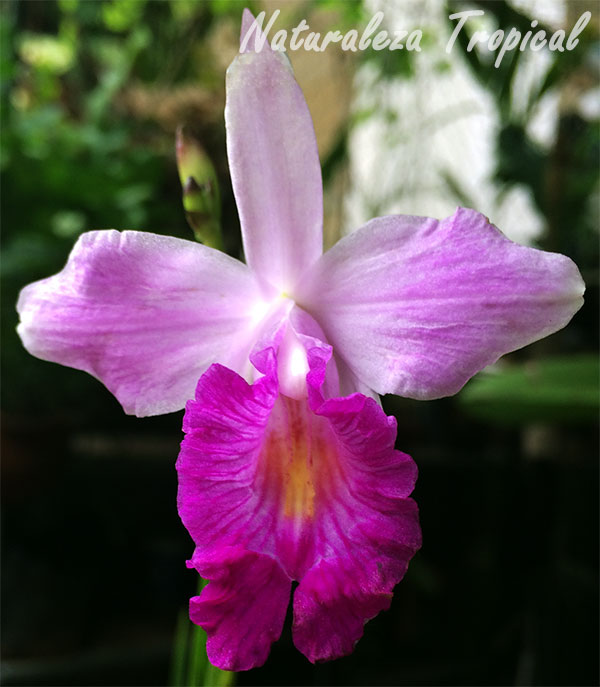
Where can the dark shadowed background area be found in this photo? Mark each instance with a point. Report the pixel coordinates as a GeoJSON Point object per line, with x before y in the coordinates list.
{"type": "Point", "coordinates": [505, 588]}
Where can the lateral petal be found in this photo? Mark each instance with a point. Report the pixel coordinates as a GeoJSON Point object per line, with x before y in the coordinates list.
{"type": "Point", "coordinates": [416, 306]}
{"type": "Point", "coordinates": [145, 314]}
{"type": "Point", "coordinates": [274, 165]}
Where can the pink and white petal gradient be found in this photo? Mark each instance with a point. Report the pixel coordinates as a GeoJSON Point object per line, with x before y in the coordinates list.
{"type": "Point", "coordinates": [411, 305]}
{"type": "Point", "coordinates": [274, 165]}
{"type": "Point", "coordinates": [145, 314]}
{"type": "Point", "coordinates": [416, 306]}
{"type": "Point", "coordinates": [314, 484]}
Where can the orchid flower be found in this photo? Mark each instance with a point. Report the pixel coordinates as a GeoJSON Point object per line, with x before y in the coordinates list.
{"type": "Point", "coordinates": [288, 470]}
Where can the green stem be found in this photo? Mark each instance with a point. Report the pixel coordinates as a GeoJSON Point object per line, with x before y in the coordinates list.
{"type": "Point", "coordinates": [198, 661]}
{"type": "Point", "coordinates": [214, 677]}
{"type": "Point", "coordinates": [180, 644]}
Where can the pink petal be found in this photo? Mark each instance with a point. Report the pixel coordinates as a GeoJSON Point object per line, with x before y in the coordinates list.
{"type": "Point", "coordinates": [257, 38]}
{"type": "Point", "coordinates": [332, 605]}
{"type": "Point", "coordinates": [416, 307]}
{"type": "Point", "coordinates": [243, 607]}
{"type": "Point", "coordinates": [145, 314]}
{"type": "Point", "coordinates": [224, 429]}
{"type": "Point", "coordinates": [314, 484]}
{"type": "Point", "coordinates": [365, 537]}
{"type": "Point", "coordinates": [274, 165]}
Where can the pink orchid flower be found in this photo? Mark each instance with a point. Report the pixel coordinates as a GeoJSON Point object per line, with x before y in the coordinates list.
{"type": "Point", "coordinates": [288, 470]}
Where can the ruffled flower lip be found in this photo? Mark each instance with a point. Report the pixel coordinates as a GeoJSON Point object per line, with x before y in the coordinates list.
{"type": "Point", "coordinates": [274, 489]}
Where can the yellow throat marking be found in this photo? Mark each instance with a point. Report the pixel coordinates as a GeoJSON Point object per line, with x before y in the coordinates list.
{"type": "Point", "coordinates": [289, 452]}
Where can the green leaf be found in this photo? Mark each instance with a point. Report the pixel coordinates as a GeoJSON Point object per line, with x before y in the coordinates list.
{"type": "Point", "coordinates": [122, 15]}
{"type": "Point", "coordinates": [46, 52]}
{"type": "Point", "coordinates": [560, 390]}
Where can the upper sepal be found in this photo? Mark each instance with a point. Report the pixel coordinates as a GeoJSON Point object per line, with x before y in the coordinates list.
{"type": "Point", "coordinates": [274, 165]}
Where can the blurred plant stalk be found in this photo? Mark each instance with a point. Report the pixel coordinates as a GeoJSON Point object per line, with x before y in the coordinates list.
{"type": "Point", "coordinates": [200, 190]}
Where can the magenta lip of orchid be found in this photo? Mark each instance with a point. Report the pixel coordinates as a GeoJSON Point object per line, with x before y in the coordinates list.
{"type": "Point", "coordinates": [288, 469]}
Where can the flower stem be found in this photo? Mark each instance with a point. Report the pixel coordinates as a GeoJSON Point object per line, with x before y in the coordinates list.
{"type": "Point", "coordinates": [180, 644]}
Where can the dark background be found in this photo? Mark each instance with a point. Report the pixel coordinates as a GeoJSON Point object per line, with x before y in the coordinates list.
{"type": "Point", "coordinates": [505, 588]}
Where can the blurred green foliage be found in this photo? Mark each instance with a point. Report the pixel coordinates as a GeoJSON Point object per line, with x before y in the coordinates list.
{"type": "Point", "coordinates": [74, 155]}
{"type": "Point", "coordinates": [564, 178]}
{"type": "Point", "coordinates": [564, 183]}
{"type": "Point", "coordinates": [550, 390]}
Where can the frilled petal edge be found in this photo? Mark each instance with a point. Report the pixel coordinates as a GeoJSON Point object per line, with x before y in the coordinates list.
{"type": "Point", "coordinates": [243, 608]}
